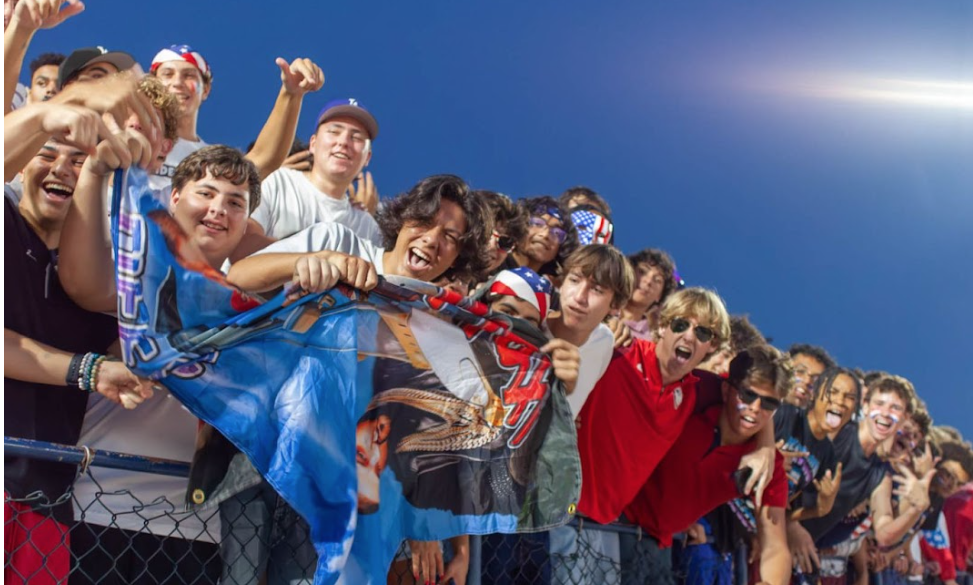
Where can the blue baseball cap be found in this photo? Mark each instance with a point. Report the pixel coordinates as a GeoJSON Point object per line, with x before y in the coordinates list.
{"type": "Point", "coordinates": [353, 109]}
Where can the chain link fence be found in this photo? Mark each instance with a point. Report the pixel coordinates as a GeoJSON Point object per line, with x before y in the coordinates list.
{"type": "Point", "coordinates": [108, 536]}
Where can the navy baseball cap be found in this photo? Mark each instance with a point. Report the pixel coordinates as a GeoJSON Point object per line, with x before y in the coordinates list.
{"type": "Point", "coordinates": [78, 60]}
{"type": "Point", "coordinates": [351, 108]}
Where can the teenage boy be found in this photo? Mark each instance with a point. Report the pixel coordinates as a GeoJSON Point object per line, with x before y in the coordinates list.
{"type": "Point", "coordinates": [437, 225]}
{"type": "Point", "coordinates": [597, 280]}
{"type": "Point", "coordinates": [341, 147]}
{"type": "Point", "coordinates": [809, 362]}
{"type": "Point", "coordinates": [509, 229]}
{"type": "Point", "coordinates": [866, 478]}
{"type": "Point", "coordinates": [551, 236]}
{"type": "Point", "coordinates": [188, 76]}
{"type": "Point", "coordinates": [653, 284]}
{"type": "Point", "coordinates": [54, 360]}
{"type": "Point", "coordinates": [698, 472]}
{"type": "Point", "coordinates": [43, 77]}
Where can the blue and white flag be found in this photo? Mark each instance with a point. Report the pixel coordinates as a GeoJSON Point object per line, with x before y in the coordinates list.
{"type": "Point", "coordinates": [405, 412]}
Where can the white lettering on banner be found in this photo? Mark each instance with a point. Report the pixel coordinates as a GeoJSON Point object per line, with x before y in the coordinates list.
{"type": "Point", "coordinates": [132, 244]}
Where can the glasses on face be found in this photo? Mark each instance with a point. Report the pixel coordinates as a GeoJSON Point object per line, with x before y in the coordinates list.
{"type": "Point", "coordinates": [557, 232]}
{"type": "Point", "coordinates": [703, 333]}
{"type": "Point", "coordinates": [505, 243]}
{"type": "Point", "coordinates": [748, 396]}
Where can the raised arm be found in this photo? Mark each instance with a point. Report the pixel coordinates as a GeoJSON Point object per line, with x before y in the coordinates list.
{"type": "Point", "coordinates": [28, 17]}
{"type": "Point", "coordinates": [274, 141]}
{"type": "Point", "coordinates": [914, 493]}
{"type": "Point", "coordinates": [85, 265]}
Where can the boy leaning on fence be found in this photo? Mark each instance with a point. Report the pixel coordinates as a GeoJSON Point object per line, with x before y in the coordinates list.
{"type": "Point", "coordinates": [55, 357]}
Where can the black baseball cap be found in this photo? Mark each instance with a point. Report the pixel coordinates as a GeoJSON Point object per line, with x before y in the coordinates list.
{"type": "Point", "coordinates": [81, 58]}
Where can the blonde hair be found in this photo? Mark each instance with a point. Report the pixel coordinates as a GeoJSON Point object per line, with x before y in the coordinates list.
{"type": "Point", "coordinates": [703, 305]}
{"type": "Point", "coordinates": [165, 102]}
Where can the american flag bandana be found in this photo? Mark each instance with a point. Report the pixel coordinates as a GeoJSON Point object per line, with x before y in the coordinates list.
{"type": "Point", "coordinates": [181, 53]}
{"type": "Point", "coordinates": [525, 284]}
{"type": "Point", "coordinates": [593, 228]}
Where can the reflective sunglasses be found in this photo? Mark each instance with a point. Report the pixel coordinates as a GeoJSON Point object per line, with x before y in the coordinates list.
{"type": "Point", "coordinates": [747, 396]}
{"type": "Point", "coordinates": [559, 234]}
{"type": "Point", "coordinates": [703, 333]}
{"type": "Point", "coordinates": [505, 243]}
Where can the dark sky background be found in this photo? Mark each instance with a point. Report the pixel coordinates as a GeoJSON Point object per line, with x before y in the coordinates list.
{"type": "Point", "coordinates": [813, 162]}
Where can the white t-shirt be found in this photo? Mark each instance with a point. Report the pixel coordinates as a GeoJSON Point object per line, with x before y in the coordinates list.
{"type": "Point", "coordinates": [20, 97]}
{"type": "Point", "coordinates": [180, 150]}
{"type": "Point", "coordinates": [329, 236]}
{"type": "Point", "coordinates": [159, 427]}
{"type": "Point", "coordinates": [289, 203]}
{"type": "Point", "coordinates": [596, 353]}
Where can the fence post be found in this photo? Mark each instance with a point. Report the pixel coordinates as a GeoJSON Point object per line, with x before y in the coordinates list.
{"type": "Point", "coordinates": [740, 565]}
{"type": "Point", "coordinates": [475, 573]}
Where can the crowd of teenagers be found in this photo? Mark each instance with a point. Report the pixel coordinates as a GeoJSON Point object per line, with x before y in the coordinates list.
{"type": "Point", "coordinates": [690, 425]}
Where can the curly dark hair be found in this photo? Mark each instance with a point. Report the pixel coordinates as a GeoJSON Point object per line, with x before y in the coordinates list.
{"type": "Point", "coordinates": [223, 162]}
{"type": "Point", "coordinates": [588, 193]}
{"type": "Point", "coordinates": [421, 204]}
{"type": "Point", "coordinates": [541, 204]}
{"type": "Point", "coordinates": [813, 351]}
{"type": "Point", "coordinates": [959, 452]}
{"type": "Point", "coordinates": [46, 59]}
{"type": "Point", "coordinates": [661, 260]}
{"type": "Point", "coordinates": [505, 213]}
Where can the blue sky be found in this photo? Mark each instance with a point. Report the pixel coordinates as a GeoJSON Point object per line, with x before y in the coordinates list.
{"type": "Point", "coordinates": [810, 161]}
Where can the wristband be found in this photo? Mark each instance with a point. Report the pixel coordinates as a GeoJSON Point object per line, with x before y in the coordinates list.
{"type": "Point", "coordinates": [74, 369]}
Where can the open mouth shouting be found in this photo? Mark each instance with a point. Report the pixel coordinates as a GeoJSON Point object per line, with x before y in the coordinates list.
{"type": "Point", "coordinates": [418, 261]}
{"type": "Point", "coordinates": [57, 191]}
{"type": "Point", "coordinates": [884, 423]}
{"type": "Point", "coordinates": [683, 354]}
{"type": "Point", "coordinates": [747, 421]}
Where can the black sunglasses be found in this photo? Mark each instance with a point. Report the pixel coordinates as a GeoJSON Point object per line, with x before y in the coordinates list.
{"type": "Point", "coordinates": [505, 243]}
{"type": "Point", "coordinates": [747, 396]}
{"type": "Point", "coordinates": [703, 333]}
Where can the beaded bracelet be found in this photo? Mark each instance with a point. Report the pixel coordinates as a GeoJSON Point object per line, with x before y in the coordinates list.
{"type": "Point", "coordinates": [89, 372]}
{"type": "Point", "coordinates": [93, 382]}
{"type": "Point", "coordinates": [74, 369]}
{"type": "Point", "coordinates": [85, 362]}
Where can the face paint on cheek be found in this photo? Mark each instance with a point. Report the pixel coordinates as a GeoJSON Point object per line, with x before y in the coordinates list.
{"type": "Point", "coordinates": [875, 413]}
{"type": "Point", "coordinates": [195, 86]}
{"type": "Point", "coordinates": [741, 406]}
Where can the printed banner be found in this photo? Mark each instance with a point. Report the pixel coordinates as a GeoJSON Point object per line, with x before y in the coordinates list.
{"type": "Point", "coordinates": [405, 412]}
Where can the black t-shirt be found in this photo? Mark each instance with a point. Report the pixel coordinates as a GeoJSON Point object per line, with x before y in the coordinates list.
{"type": "Point", "coordinates": [860, 475]}
{"type": "Point", "coordinates": [792, 427]}
{"type": "Point", "coordinates": [37, 307]}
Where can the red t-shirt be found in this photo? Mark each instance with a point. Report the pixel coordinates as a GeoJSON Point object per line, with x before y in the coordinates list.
{"type": "Point", "coordinates": [694, 478]}
{"type": "Point", "coordinates": [959, 519]}
{"type": "Point", "coordinates": [626, 427]}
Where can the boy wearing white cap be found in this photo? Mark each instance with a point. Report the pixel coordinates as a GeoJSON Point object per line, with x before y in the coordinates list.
{"type": "Point", "coordinates": [187, 75]}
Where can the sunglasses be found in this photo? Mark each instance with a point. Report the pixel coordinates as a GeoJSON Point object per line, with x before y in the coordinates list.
{"type": "Point", "coordinates": [558, 232]}
{"type": "Point", "coordinates": [703, 333]}
{"type": "Point", "coordinates": [748, 396]}
{"type": "Point", "coordinates": [505, 243]}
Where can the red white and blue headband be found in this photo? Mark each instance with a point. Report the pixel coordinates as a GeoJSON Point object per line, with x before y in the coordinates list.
{"type": "Point", "coordinates": [181, 53]}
